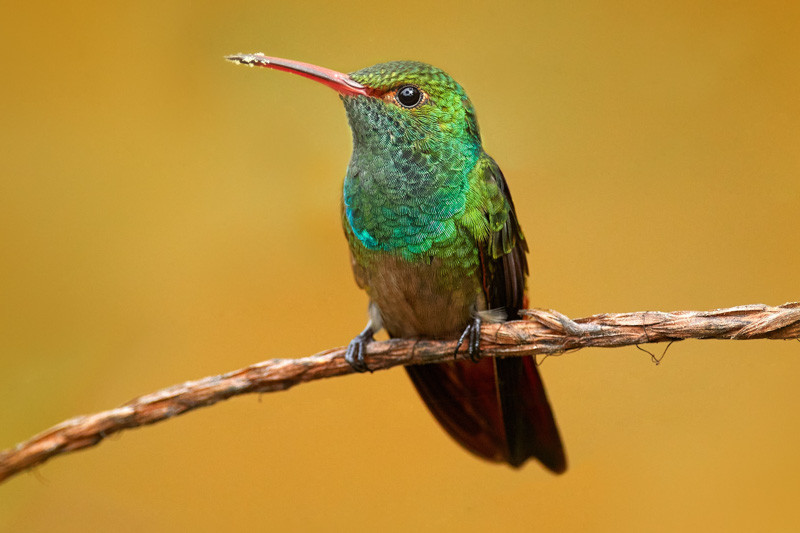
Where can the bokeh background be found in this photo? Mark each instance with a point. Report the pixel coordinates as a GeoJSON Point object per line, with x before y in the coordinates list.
{"type": "Point", "coordinates": [166, 215]}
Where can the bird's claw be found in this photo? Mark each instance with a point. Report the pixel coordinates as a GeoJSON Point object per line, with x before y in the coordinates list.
{"type": "Point", "coordinates": [473, 333]}
{"type": "Point", "coordinates": [356, 350]}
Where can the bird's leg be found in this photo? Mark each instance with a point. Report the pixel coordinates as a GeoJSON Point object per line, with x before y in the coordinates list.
{"type": "Point", "coordinates": [355, 350]}
{"type": "Point", "coordinates": [473, 331]}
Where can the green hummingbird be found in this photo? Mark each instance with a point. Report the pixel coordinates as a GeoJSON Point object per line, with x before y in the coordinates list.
{"type": "Point", "coordinates": [436, 244]}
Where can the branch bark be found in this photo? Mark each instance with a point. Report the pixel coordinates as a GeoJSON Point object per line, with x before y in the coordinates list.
{"type": "Point", "coordinates": [542, 332]}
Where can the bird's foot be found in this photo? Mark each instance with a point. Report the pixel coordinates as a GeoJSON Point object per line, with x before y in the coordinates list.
{"type": "Point", "coordinates": [473, 333]}
{"type": "Point", "coordinates": [357, 348]}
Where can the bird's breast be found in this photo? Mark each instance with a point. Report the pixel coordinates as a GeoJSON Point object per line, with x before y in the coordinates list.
{"type": "Point", "coordinates": [433, 297]}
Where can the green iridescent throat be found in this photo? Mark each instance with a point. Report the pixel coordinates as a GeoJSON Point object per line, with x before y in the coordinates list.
{"type": "Point", "coordinates": [408, 178]}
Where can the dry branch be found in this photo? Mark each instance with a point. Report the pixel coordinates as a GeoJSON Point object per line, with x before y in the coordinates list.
{"type": "Point", "coordinates": [542, 332]}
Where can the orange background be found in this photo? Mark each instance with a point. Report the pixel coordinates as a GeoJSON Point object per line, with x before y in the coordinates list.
{"type": "Point", "coordinates": [165, 215]}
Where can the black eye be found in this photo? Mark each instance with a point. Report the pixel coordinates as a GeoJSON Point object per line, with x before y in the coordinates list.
{"type": "Point", "coordinates": [409, 96]}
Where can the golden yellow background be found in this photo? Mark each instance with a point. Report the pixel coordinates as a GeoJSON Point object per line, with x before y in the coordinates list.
{"type": "Point", "coordinates": [166, 215]}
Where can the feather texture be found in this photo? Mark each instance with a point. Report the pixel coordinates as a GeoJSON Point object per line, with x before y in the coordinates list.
{"type": "Point", "coordinates": [435, 241]}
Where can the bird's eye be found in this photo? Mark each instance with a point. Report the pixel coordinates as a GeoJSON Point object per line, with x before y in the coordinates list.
{"type": "Point", "coordinates": [409, 96]}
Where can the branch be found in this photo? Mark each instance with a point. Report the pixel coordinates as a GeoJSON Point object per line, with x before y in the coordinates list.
{"type": "Point", "coordinates": [542, 332]}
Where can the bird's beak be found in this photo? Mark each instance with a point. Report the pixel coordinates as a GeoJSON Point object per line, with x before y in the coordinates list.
{"type": "Point", "coordinates": [337, 81]}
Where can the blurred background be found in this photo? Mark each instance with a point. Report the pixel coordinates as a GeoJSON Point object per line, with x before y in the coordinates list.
{"type": "Point", "coordinates": [166, 215]}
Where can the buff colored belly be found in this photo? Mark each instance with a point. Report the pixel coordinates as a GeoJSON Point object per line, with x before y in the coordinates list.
{"type": "Point", "coordinates": [420, 299]}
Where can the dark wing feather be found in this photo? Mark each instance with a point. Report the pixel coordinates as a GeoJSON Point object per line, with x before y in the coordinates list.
{"type": "Point", "coordinates": [496, 408]}
{"type": "Point", "coordinates": [505, 261]}
{"type": "Point", "coordinates": [530, 427]}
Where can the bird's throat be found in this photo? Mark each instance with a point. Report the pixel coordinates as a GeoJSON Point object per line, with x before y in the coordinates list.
{"type": "Point", "coordinates": [403, 189]}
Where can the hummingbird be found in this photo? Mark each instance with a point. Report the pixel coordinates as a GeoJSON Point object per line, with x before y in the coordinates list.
{"type": "Point", "coordinates": [436, 244]}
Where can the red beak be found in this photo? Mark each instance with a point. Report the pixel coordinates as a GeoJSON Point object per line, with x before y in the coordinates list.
{"type": "Point", "coordinates": [337, 81]}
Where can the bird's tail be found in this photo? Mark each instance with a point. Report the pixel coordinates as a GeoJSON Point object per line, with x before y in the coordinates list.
{"type": "Point", "coordinates": [496, 408]}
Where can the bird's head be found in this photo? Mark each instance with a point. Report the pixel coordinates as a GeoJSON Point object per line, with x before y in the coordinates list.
{"type": "Point", "coordinates": [402, 104]}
